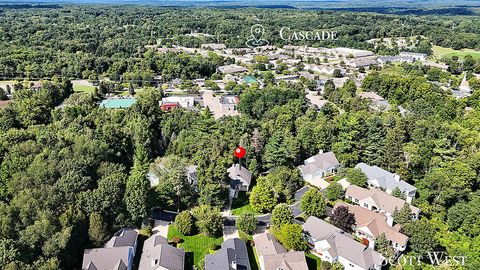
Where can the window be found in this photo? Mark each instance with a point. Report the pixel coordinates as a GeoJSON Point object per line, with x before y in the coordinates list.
{"type": "Point", "coordinates": [365, 204]}
{"type": "Point", "coordinates": [356, 200]}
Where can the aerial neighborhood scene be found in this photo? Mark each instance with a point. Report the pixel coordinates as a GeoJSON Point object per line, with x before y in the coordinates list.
{"type": "Point", "coordinates": [240, 135]}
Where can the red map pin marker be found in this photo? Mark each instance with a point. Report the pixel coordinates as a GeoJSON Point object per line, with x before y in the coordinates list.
{"type": "Point", "coordinates": [239, 152]}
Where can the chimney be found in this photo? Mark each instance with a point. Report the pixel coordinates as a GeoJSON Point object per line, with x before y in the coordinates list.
{"type": "Point", "coordinates": [234, 265]}
{"type": "Point", "coordinates": [397, 177]}
{"type": "Point", "coordinates": [320, 151]}
{"type": "Point", "coordinates": [390, 220]}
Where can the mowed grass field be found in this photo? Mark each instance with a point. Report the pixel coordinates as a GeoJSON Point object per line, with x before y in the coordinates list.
{"type": "Point", "coordinates": [198, 244]}
{"type": "Point", "coordinates": [441, 52]}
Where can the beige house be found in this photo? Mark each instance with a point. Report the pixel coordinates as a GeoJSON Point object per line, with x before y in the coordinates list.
{"type": "Point", "coordinates": [377, 200]}
{"type": "Point", "coordinates": [273, 256]}
{"type": "Point", "coordinates": [331, 244]}
{"type": "Point", "coordinates": [369, 225]}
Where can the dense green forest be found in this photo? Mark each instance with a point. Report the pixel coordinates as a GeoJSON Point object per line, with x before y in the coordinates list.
{"type": "Point", "coordinates": [68, 171]}
{"type": "Point", "coordinates": [83, 41]}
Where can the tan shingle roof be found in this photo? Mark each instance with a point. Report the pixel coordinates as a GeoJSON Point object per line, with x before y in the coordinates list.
{"type": "Point", "coordinates": [267, 244]}
{"type": "Point", "coordinates": [375, 222]}
{"type": "Point", "coordinates": [383, 201]}
{"type": "Point", "coordinates": [294, 260]}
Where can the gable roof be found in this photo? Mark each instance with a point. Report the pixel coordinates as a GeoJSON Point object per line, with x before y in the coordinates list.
{"type": "Point", "coordinates": [318, 228]}
{"type": "Point", "coordinates": [375, 222]}
{"type": "Point", "coordinates": [158, 253]}
{"type": "Point", "coordinates": [267, 244]}
{"type": "Point", "coordinates": [383, 201]}
{"type": "Point", "coordinates": [106, 258]}
{"type": "Point", "coordinates": [342, 244]}
{"type": "Point", "coordinates": [233, 250]}
{"type": "Point", "coordinates": [320, 161]}
{"type": "Point", "coordinates": [238, 172]}
{"type": "Point", "coordinates": [385, 179]}
{"type": "Point", "coordinates": [294, 260]}
{"type": "Point", "coordinates": [123, 238]}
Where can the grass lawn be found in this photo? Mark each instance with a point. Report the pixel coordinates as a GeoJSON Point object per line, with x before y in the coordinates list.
{"type": "Point", "coordinates": [393, 70]}
{"type": "Point", "coordinates": [313, 262]}
{"type": "Point", "coordinates": [252, 257]}
{"type": "Point", "coordinates": [195, 246]}
{"type": "Point", "coordinates": [83, 88]}
{"type": "Point", "coordinates": [242, 205]}
{"type": "Point", "coordinates": [440, 52]}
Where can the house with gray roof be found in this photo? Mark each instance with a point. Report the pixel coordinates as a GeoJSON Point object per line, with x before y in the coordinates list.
{"type": "Point", "coordinates": [233, 68]}
{"type": "Point", "coordinates": [232, 256]}
{"type": "Point", "coordinates": [273, 256]}
{"type": "Point", "coordinates": [117, 254]}
{"type": "Point", "coordinates": [157, 254]}
{"type": "Point", "coordinates": [378, 102]}
{"type": "Point", "coordinates": [123, 238]}
{"type": "Point", "coordinates": [319, 166]}
{"type": "Point", "coordinates": [331, 244]}
{"type": "Point", "coordinates": [416, 56]}
{"type": "Point", "coordinates": [240, 179]}
{"type": "Point", "coordinates": [387, 181]}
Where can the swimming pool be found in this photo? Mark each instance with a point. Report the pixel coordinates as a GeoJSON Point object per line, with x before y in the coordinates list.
{"type": "Point", "coordinates": [115, 103]}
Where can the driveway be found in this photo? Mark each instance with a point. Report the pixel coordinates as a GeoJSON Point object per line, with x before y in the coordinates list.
{"type": "Point", "coordinates": [319, 182]}
{"type": "Point", "coordinates": [161, 228]}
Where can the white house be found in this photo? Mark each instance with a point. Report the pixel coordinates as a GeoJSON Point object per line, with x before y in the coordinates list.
{"type": "Point", "coordinates": [331, 244]}
{"type": "Point", "coordinates": [317, 167]}
{"type": "Point", "coordinates": [416, 56]}
{"type": "Point", "coordinates": [240, 179]}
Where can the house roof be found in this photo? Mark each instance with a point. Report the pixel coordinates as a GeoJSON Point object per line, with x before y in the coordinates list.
{"type": "Point", "coordinates": [123, 238]}
{"type": "Point", "coordinates": [382, 200]}
{"type": "Point", "coordinates": [238, 172]}
{"type": "Point", "coordinates": [320, 161]}
{"type": "Point", "coordinates": [232, 69]}
{"type": "Point", "coordinates": [294, 260]}
{"type": "Point", "coordinates": [385, 179]}
{"type": "Point", "coordinates": [375, 222]}
{"type": "Point", "coordinates": [342, 244]}
{"type": "Point", "coordinates": [267, 244]}
{"type": "Point", "coordinates": [116, 258]}
{"type": "Point", "coordinates": [318, 228]}
{"type": "Point", "coordinates": [158, 253]}
{"type": "Point", "coordinates": [233, 251]}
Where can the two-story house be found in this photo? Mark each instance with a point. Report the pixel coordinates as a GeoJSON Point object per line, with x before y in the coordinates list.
{"type": "Point", "coordinates": [117, 254]}
{"type": "Point", "coordinates": [377, 200]}
{"type": "Point", "coordinates": [369, 225]}
{"type": "Point", "coordinates": [331, 244]}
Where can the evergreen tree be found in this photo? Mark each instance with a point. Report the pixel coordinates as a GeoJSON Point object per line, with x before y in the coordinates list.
{"type": "Point", "coordinates": [402, 216]}
{"type": "Point", "coordinates": [137, 188]}
{"type": "Point", "coordinates": [383, 246]}
{"type": "Point", "coordinates": [97, 230]}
